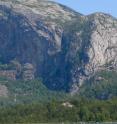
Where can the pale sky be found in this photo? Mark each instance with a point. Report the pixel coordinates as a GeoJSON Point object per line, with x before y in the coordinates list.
{"type": "Point", "coordinates": [90, 6]}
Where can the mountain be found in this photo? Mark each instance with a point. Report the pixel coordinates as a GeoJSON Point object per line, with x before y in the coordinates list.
{"type": "Point", "coordinates": [64, 47]}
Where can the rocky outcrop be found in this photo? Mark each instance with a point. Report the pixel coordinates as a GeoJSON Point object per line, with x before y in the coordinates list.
{"type": "Point", "coordinates": [28, 72]}
{"type": "Point", "coordinates": [24, 72]}
{"type": "Point", "coordinates": [9, 74]}
{"type": "Point", "coordinates": [64, 46]}
{"type": "Point", "coordinates": [98, 48]}
{"type": "Point", "coordinates": [3, 91]}
{"type": "Point", "coordinates": [103, 48]}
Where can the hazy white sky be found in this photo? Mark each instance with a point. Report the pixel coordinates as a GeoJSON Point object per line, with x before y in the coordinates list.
{"type": "Point", "coordinates": [91, 6]}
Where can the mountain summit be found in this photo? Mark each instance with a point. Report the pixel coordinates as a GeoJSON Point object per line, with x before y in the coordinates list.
{"type": "Point", "coordinates": [64, 47]}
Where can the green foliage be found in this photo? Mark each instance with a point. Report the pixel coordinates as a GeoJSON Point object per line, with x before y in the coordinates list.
{"type": "Point", "coordinates": [28, 91]}
{"type": "Point", "coordinates": [32, 102]}
{"type": "Point", "coordinates": [5, 67]}
{"type": "Point", "coordinates": [103, 85]}
{"type": "Point", "coordinates": [53, 112]}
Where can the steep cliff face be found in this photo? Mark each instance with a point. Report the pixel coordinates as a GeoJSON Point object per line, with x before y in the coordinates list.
{"type": "Point", "coordinates": [64, 46]}
{"type": "Point", "coordinates": [103, 41]}
{"type": "Point", "coordinates": [94, 47]}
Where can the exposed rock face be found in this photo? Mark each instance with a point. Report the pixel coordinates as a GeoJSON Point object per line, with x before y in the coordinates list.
{"type": "Point", "coordinates": [9, 74]}
{"type": "Point", "coordinates": [28, 72]}
{"type": "Point", "coordinates": [64, 46]}
{"type": "Point", "coordinates": [3, 91]}
{"type": "Point", "coordinates": [103, 41]}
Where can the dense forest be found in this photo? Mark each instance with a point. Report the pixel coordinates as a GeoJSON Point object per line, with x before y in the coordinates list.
{"type": "Point", "coordinates": [72, 111]}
